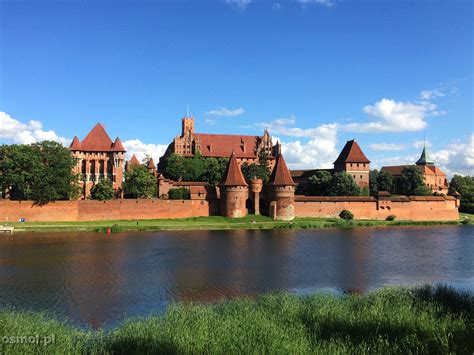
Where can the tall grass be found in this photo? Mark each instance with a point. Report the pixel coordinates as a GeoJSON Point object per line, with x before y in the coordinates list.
{"type": "Point", "coordinates": [423, 320]}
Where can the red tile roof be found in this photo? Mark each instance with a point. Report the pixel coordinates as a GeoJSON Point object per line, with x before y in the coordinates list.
{"type": "Point", "coordinates": [133, 161]}
{"type": "Point", "coordinates": [151, 164]}
{"type": "Point", "coordinates": [223, 145]}
{"type": "Point", "coordinates": [97, 140]}
{"type": "Point", "coordinates": [233, 175]}
{"type": "Point", "coordinates": [351, 153]}
{"type": "Point", "coordinates": [117, 146]}
{"type": "Point", "coordinates": [75, 144]}
{"type": "Point", "coordinates": [396, 170]}
{"type": "Point", "coordinates": [280, 174]}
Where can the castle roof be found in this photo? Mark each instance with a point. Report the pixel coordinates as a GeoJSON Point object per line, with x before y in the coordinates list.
{"type": "Point", "coordinates": [424, 158]}
{"type": "Point", "coordinates": [351, 153]}
{"type": "Point", "coordinates": [75, 144]}
{"type": "Point", "coordinates": [222, 145]}
{"type": "Point", "coordinates": [117, 146]}
{"type": "Point", "coordinates": [280, 174]}
{"type": "Point", "coordinates": [233, 175]}
{"type": "Point", "coordinates": [133, 161]}
{"type": "Point", "coordinates": [151, 164]}
{"type": "Point", "coordinates": [396, 170]}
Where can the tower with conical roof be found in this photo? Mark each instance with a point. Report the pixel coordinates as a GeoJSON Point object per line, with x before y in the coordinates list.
{"type": "Point", "coordinates": [282, 192]}
{"type": "Point", "coordinates": [234, 191]}
{"type": "Point", "coordinates": [353, 161]}
{"type": "Point", "coordinates": [424, 158]}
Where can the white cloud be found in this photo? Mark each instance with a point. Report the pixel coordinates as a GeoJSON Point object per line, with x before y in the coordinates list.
{"type": "Point", "coordinates": [456, 158]}
{"type": "Point", "coordinates": [421, 143]}
{"type": "Point", "coordinates": [327, 3]}
{"type": "Point", "coordinates": [239, 4]}
{"type": "Point", "coordinates": [386, 146]}
{"type": "Point", "coordinates": [282, 126]}
{"type": "Point", "coordinates": [395, 117]}
{"type": "Point", "coordinates": [225, 112]}
{"type": "Point", "coordinates": [210, 121]}
{"type": "Point", "coordinates": [431, 94]}
{"type": "Point", "coordinates": [141, 150]}
{"type": "Point", "coordinates": [18, 132]}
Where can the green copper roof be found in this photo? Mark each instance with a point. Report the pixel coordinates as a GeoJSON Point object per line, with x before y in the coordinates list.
{"type": "Point", "coordinates": [424, 159]}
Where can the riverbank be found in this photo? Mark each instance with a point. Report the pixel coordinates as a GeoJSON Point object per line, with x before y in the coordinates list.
{"type": "Point", "coordinates": [393, 320]}
{"type": "Point", "coordinates": [215, 223]}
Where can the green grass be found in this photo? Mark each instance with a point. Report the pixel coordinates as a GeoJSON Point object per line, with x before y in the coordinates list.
{"type": "Point", "coordinates": [211, 223]}
{"type": "Point", "coordinates": [424, 320]}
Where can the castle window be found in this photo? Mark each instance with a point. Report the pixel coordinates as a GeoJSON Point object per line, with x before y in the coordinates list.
{"type": "Point", "coordinates": [351, 165]}
{"type": "Point", "coordinates": [357, 164]}
{"type": "Point", "coordinates": [361, 176]}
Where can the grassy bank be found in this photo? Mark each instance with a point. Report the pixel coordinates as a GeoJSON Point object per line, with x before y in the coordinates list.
{"type": "Point", "coordinates": [421, 320]}
{"type": "Point", "coordinates": [212, 223]}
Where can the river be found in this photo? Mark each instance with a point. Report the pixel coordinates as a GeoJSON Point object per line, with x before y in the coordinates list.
{"type": "Point", "coordinates": [96, 280]}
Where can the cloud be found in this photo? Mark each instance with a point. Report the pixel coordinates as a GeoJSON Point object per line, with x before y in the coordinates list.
{"type": "Point", "coordinates": [431, 94]}
{"type": "Point", "coordinates": [395, 117]}
{"type": "Point", "coordinates": [282, 126]}
{"type": "Point", "coordinates": [327, 3]}
{"type": "Point", "coordinates": [141, 150]}
{"type": "Point", "coordinates": [210, 121]}
{"type": "Point", "coordinates": [276, 6]}
{"type": "Point", "coordinates": [225, 112]}
{"type": "Point", "coordinates": [386, 146]}
{"type": "Point", "coordinates": [18, 132]}
{"type": "Point", "coordinates": [456, 158]}
{"type": "Point", "coordinates": [239, 4]}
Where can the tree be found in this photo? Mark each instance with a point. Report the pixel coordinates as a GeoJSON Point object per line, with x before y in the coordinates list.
{"type": "Point", "coordinates": [103, 190]}
{"type": "Point", "coordinates": [319, 183]}
{"type": "Point", "coordinates": [265, 171]}
{"type": "Point", "coordinates": [465, 186]}
{"type": "Point", "coordinates": [193, 167]}
{"type": "Point", "coordinates": [342, 184]}
{"type": "Point", "coordinates": [139, 183]}
{"type": "Point", "coordinates": [385, 181]}
{"type": "Point", "coordinates": [251, 171]}
{"type": "Point", "coordinates": [174, 167]}
{"type": "Point", "coordinates": [374, 186]}
{"type": "Point", "coordinates": [412, 182]}
{"type": "Point", "coordinates": [180, 193]}
{"type": "Point", "coordinates": [41, 172]}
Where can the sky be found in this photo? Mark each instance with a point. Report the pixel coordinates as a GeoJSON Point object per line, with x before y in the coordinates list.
{"type": "Point", "coordinates": [393, 75]}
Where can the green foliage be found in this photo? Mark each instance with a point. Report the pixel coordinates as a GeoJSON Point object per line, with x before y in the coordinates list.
{"type": "Point", "coordinates": [364, 191]}
{"type": "Point", "coordinates": [214, 169]}
{"type": "Point", "coordinates": [174, 167]}
{"type": "Point", "coordinates": [374, 187]}
{"type": "Point", "coordinates": [251, 171]}
{"type": "Point", "coordinates": [139, 183]}
{"type": "Point", "coordinates": [103, 190]}
{"type": "Point", "coordinates": [391, 217]}
{"type": "Point", "coordinates": [342, 184]}
{"type": "Point", "coordinates": [380, 181]}
{"type": "Point", "coordinates": [180, 193]}
{"type": "Point", "coordinates": [41, 172]}
{"type": "Point", "coordinates": [465, 186]}
{"type": "Point", "coordinates": [319, 183]}
{"type": "Point", "coordinates": [424, 320]}
{"type": "Point", "coordinates": [412, 182]}
{"type": "Point", "coordinates": [346, 215]}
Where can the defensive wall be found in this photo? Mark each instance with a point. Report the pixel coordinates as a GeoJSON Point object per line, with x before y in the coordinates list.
{"type": "Point", "coordinates": [439, 208]}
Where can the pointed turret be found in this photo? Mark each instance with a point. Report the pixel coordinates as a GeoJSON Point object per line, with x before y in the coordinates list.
{"type": "Point", "coordinates": [117, 146]}
{"type": "Point", "coordinates": [351, 153]}
{"type": "Point", "coordinates": [424, 158]}
{"type": "Point", "coordinates": [151, 164]}
{"type": "Point", "coordinates": [281, 175]}
{"type": "Point", "coordinates": [233, 175]}
{"type": "Point", "coordinates": [75, 144]}
{"type": "Point", "coordinates": [133, 160]}
{"type": "Point", "coordinates": [97, 140]}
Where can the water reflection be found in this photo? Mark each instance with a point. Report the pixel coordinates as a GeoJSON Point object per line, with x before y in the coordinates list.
{"type": "Point", "coordinates": [95, 279]}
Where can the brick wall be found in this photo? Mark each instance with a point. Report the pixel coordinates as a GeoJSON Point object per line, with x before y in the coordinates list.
{"type": "Point", "coordinates": [105, 210]}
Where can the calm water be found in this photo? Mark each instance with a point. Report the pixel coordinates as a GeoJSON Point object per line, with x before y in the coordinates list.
{"type": "Point", "coordinates": [95, 279]}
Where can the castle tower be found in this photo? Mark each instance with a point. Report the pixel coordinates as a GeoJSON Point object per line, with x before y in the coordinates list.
{"type": "Point", "coordinates": [151, 167]}
{"type": "Point", "coordinates": [282, 192]}
{"type": "Point", "coordinates": [256, 187]}
{"type": "Point", "coordinates": [424, 158]}
{"type": "Point", "coordinates": [234, 191]}
{"type": "Point", "coordinates": [353, 161]}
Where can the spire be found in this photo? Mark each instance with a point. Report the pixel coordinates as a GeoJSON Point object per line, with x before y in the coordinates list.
{"type": "Point", "coordinates": [233, 175]}
{"type": "Point", "coordinates": [424, 158]}
{"type": "Point", "coordinates": [133, 161]}
{"type": "Point", "coordinates": [151, 164]}
{"type": "Point", "coordinates": [281, 175]}
{"type": "Point", "coordinates": [117, 146]}
{"type": "Point", "coordinates": [75, 144]}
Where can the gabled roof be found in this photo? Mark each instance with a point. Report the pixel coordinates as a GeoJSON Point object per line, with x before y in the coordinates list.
{"type": "Point", "coordinates": [280, 174]}
{"type": "Point", "coordinates": [117, 146]}
{"type": "Point", "coordinates": [424, 158]}
{"type": "Point", "coordinates": [75, 144]}
{"type": "Point", "coordinates": [97, 140]}
{"type": "Point", "coordinates": [351, 153]}
{"type": "Point", "coordinates": [233, 175]}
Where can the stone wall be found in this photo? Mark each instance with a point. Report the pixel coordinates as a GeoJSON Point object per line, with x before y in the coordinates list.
{"type": "Point", "coordinates": [90, 210]}
{"type": "Point", "coordinates": [429, 208]}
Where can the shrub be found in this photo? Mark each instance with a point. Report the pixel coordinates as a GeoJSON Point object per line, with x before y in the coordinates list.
{"type": "Point", "coordinates": [180, 193]}
{"type": "Point", "coordinates": [346, 215]}
{"type": "Point", "coordinates": [103, 190]}
{"type": "Point", "coordinates": [392, 217]}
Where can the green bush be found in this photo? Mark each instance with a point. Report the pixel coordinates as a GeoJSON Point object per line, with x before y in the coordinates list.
{"type": "Point", "coordinates": [346, 215]}
{"type": "Point", "coordinates": [180, 193]}
{"type": "Point", "coordinates": [392, 217]}
{"type": "Point", "coordinates": [103, 190]}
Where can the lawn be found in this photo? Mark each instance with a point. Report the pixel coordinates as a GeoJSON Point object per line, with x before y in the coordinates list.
{"type": "Point", "coordinates": [423, 320]}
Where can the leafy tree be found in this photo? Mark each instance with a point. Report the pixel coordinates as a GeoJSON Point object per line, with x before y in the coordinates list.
{"type": "Point", "coordinates": [214, 169]}
{"type": "Point", "coordinates": [180, 193]}
{"type": "Point", "coordinates": [265, 171]}
{"type": "Point", "coordinates": [251, 171]}
{"type": "Point", "coordinates": [139, 183]}
{"type": "Point", "coordinates": [319, 183]}
{"type": "Point", "coordinates": [342, 184]}
{"type": "Point", "coordinates": [364, 191]}
{"type": "Point", "coordinates": [385, 181]}
{"type": "Point", "coordinates": [103, 190]}
{"type": "Point", "coordinates": [41, 172]}
{"type": "Point", "coordinates": [193, 168]}
{"type": "Point", "coordinates": [174, 168]}
{"type": "Point", "coordinates": [374, 186]}
{"type": "Point", "coordinates": [465, 186]}
{"type": "Point", "coordinates": [412, 182]}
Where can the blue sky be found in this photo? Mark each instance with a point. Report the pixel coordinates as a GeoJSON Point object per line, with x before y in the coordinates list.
{"type": "Point", "coordinates": [315, 72]}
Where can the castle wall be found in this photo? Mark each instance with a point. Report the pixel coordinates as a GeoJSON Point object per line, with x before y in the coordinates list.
{"type": "Point", "coordinates": [92, 210]}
